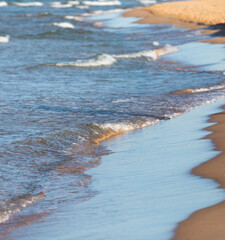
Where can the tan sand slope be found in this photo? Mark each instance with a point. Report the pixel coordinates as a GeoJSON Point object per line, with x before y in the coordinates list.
{"type": "Point", "coordinates": [209, 223]}
{"type": "Point", "coordinates": [194, 14]}
{"type": "Point", "coordinates": [209, 12]}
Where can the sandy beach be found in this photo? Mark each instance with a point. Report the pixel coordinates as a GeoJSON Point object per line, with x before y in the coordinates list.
{"type": "Point", "coordinates": [102, 120]}
{"type": "Point", "coordinates": [189, 14]}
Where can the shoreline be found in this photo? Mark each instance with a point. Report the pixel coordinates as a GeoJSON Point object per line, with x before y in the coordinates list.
{"type": "Point", "coordinates": [131, 187]}
{"type": "Point", "coordinates": [208, 223]}
{"type": "Point", "coordinates": [206, 15]}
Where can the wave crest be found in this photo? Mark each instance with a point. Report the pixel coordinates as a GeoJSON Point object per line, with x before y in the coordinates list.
{"type": "Point", "coordinates": [199, 90]}
{"type": "Point", "coordinates": [100, 60]}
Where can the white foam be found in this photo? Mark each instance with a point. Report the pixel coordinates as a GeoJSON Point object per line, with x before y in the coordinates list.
{"type": "Point", "coordinates": [73, 2]}
{"type": "Point", "coordinates": [148, 2]}
{"type": "Point", "coordinates": [101, 60]}
{"type": "Point", "coordinates": [18, 205]}
{"type": "Point", "coordinates": [64, 25]}
{"type": "Point", "coordinates": [4, 39]}
{"type": "Point", "coordinates": [152, 54]}
{"type": "Point", "coordinates": [28, 4]}
{"type": "Point", "coordinates": [60, 5]}
{"type": "Point", "coordinates": [75, 18]}
{"type": "Point", "coordinates": [102, 3]}
{"type": "Point", "coordinates": [155, 43]}
{"type": "Point", "coordinates": [3, 4]}
{"type": "Point", "coordinates": [103, 12]}
{"type": "Point", "coordinates": [124, 127]}
{"type": "Point", "coordinates": [122, 100]}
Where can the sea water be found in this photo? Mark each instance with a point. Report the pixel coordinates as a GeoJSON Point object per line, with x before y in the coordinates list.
{"type": "Point", "coordinates": [74, 73]}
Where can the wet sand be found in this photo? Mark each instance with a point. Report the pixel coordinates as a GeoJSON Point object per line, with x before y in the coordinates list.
{"type": "Point", "coordinates": [209, 223]}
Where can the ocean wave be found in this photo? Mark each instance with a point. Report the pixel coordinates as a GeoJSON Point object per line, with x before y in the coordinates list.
{"type": "Point", "coordinates": [4, 39]}
{"type": "Point", "coordinates": [101, 3]}
{"type": "Point", "coordinates": [75, 18]}
{"type": "Point", "coordinates": [106, 59]}
{"type": "Point", "coordinates": [199, 90]}
{"type": "Point", "coordinates": [17, 204]}
{"type": "Point", "coordinates": [103, 12]}
{"type": "Point", "coordinates": [3, 4]}
{"type": "Point", "coordinates": [28, 4]}
{"type": "Point", "coordinates": [64, 25]}
{"type": "Point", "coordinates": [108, 130]}
{"type": "Point", "coordinates": [64, 5]}
{"type": "Point", "coordinates": [100, 60]}
{"type": "Point", "coordinates": [152, 54]}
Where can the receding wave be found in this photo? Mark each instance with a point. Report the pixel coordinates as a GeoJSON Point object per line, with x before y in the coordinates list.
{"type": "Point", "coordinates": [17, 204]}
{"type": "Point", "coordinates": [199, 90]}
{"type": "Point", "coordinates": [108, 130]}
{"type": "Point", "coordinates": [100, 60]}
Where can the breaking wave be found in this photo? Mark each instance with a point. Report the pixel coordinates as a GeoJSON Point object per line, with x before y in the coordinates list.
{"type": "Point", "coordinates": [17, 204]}
{"type": "Point", "coordinates": [100, 60]}
{"type": "Point", "coordinates": [152, 54]}
{"type": "Point", "coordinates": [107, 60]}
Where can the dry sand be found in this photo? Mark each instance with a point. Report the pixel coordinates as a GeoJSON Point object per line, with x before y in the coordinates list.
{"type": "Point", "coordinates": [208, 12]}
{"type": "Point", "coordinates": [209, 223]}
{"type": "Point", "coordinates": [190, 14]}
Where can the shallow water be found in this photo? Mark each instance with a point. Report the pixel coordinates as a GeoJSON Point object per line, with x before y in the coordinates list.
{"type": "Point", "coordinates": [67, 84]}
{"type": "Point", "coordinates": [140, 196]}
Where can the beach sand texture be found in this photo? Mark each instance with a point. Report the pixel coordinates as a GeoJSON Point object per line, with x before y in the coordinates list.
{"type": "Point", "coordinates": [209, 12]}
{"type": "Point", "coordinates": [209, 223]}
{"type": "Point", "coordinates": [186, 14]}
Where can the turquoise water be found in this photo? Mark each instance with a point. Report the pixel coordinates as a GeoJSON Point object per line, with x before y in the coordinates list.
{"type": "Point", "coordinates": [76, 72]}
